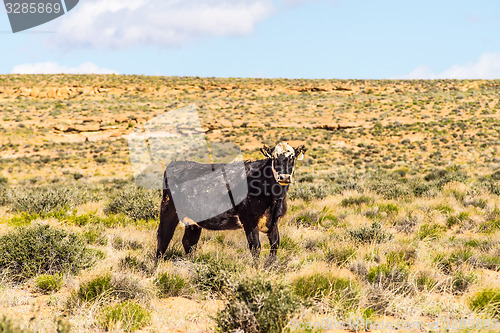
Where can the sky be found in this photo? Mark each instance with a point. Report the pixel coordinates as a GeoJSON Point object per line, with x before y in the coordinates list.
{"type": "Point", "coordinates": [332, 39]}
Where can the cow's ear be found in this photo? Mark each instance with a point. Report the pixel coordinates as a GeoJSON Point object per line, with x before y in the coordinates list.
{"type": "Point", "coordinates": [268, 152]}
{"type": "Point", "coordinates": [299, 152]}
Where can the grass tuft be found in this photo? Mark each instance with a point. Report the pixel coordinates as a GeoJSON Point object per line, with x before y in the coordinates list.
{"type": "Point", "coordinates": [128, 316]}
{"type": "Point", "coordinates": [48, 283]}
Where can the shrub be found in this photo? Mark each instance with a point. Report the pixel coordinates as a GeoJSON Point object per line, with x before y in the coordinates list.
{"type": "Point", "coordinates": [444, 176]}
{"type": "Point", "coordinates": [390, 188]}
{"type": "Point", "coordinates": [355, 200]}
{"type": "Point", "coordinates": [29, 251]}
{"type": "Point", "coordinates": [44, 199]}
{"type": "Point", "coordinates": [170, 285]}
{"type": "Point", "coordinates": [308, 191]}
{"type": "Point", "coordinates": [47, 283]}
{"type": "Point", "coordinates": [135, 202]}
{"type": "Point", "coordinates": [374, 233]}
{"type": "Point", "coordinates": [486, 301]}
{"type": "Point", "coordinates": [318, 286]}
{"type": "Point", "coordinates": [127, 315]}
{"type": "Point", "coordinates": [257, 306]}
{"type": "Point", "coordinates": [214, 274]}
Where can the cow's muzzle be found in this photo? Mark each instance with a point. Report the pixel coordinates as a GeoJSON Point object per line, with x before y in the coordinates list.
{"type": "Point", "coordinates": [284, 179]}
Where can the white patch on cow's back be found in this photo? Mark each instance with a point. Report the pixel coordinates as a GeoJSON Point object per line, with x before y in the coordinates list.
{"type": "Point", "coordinates": [283, 148]}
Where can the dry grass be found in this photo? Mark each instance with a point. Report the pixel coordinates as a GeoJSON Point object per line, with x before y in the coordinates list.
{"type": "Point", "coordinates": [405, 204]}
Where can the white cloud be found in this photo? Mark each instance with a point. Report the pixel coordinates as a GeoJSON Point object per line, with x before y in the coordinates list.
{"type": "Point", "coordinates": [54, 68]}
{"type": "Point", "coordinates": [163, 23]}
{"type": "Point", "coordinates": [486, 67]}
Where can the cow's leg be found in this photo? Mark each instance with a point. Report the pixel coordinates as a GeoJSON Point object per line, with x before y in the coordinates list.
{"type": "Point", "coordinates": [191, 237]}
{"type": "Point", "coordinates": [253, 241]}
{"type": "Point", "coordinates": [274, 240]}
{"type": "Point", "coordinates": [168, 223]}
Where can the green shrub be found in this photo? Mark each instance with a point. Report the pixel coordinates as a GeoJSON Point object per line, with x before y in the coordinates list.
{"type": "Point", "coordinates": [170, 285]}
{"type": "Point", "coordinates": [4, 196]}
{"type": "Point", "coordinates": [355, 200]}
{"type": "Point", "coordinates": [373, 233]}
{"type": "Point", "coordinates": [214, 274]}
{"type": "Point", "coordinates": [308, 191]}
{"type": "Point", "coordinates": [390, 188]}
{"type": "Point", "coordinates": [42, 200]}
{"type": "Point", "coordinates": [127, 315]}
{"type": "Point", "coordinates": [319, 286]}
{"type": "Point", "coordinates": [257, 306]}
{"type": "Point", "coordinates": [47, 283]}
{"type": "Point", "coordinates": [136, 203]}
{"type": "Point", "coordinates": [486, 301]}
{"type": "Point", "coordinates": [444, 176]}
{"type": "Point", "coordinates": [29, 251]}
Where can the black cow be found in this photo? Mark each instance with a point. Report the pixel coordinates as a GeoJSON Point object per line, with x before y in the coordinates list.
{"type": "Point", "coordinates": [267, 182]}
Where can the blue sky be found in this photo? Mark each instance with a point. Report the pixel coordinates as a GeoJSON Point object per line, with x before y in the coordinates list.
{"type": "Point", "coordinates": [346, 39]}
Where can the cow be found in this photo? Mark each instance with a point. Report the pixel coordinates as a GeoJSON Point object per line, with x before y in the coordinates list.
{"type": "Point", "coordinates": [267, 181]}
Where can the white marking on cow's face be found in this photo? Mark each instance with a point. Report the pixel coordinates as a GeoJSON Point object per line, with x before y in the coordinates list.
{"type": "Point", "coordinates": [283, 149]}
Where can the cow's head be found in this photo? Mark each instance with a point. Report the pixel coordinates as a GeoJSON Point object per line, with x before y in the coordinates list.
{"type": "Point", "coordinates": [283, 158]}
